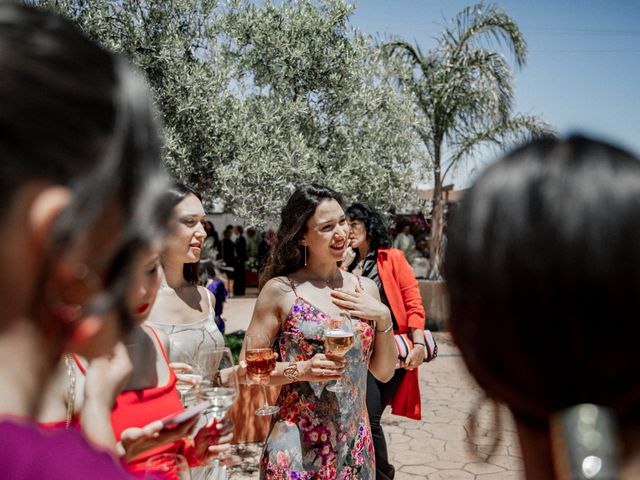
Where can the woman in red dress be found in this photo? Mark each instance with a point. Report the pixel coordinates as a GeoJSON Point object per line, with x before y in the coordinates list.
{"type": "Point", "coordinates": [148, 395]}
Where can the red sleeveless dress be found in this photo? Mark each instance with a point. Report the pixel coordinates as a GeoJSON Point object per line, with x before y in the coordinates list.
{"type": "Point", "coordinates": [137, 408]}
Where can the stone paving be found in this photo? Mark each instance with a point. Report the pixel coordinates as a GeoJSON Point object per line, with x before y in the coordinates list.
{"type": "Point", "coordinates": [441, 445]}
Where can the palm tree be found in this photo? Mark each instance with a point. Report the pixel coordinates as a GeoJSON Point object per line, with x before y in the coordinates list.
{"type": "Point", "coordinates": [463, 90]}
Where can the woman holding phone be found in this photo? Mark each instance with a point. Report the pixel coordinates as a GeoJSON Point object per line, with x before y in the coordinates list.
{"type": "Point", "coordinates": [149, 393]}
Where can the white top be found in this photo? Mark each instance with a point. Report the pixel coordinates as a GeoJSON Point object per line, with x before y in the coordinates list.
{"type": "Point", "coordinates": [187, 339]}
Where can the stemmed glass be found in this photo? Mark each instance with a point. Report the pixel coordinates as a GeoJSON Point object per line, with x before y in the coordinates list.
{"type": "Point", "coordinates": [218, 385]}
{"type": "Point", "coordinates": [181, 351]}
{"type": "Point", "coordinates": [338, 340]}
{"type": "Point", "coordinates": [218, 380]}
{"type": "Point", "coordinates": [261, 361]}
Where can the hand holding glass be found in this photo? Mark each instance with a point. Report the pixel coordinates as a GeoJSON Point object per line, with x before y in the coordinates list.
{"type": "Point", "coordinates": [167, 466]}
{"type": "Point", "coordinates": [338, 340]}
{"type": "Point", "coordinates": [218, 384]}
{"type": "Point", "coordinates": [181, 351]}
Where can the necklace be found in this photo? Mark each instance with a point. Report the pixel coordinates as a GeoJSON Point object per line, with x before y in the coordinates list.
{"type": "Point", "coordinates": [327, 282]}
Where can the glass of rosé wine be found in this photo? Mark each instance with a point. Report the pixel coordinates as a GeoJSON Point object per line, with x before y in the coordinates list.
{"type": "Point", "coordinates": [261, 361]}
{"type": "Point", "coordinates": [338, 340]}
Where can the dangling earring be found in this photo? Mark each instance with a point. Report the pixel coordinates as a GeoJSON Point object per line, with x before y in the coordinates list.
{"type": "Point", "coordinates": [305, 255]}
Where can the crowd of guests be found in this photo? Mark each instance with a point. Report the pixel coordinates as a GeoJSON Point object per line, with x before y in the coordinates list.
{"type": "Point", "coordinates": [229, 258]}
{"type": "Point", "coordinates": [103, 312]}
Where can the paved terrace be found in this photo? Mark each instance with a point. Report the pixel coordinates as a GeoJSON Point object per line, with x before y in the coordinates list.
{"type": "Point", "coordinates": [438, 447]}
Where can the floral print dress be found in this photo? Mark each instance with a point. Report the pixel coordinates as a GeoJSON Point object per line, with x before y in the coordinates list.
{"type": "Point", "coordinates": [319, 434]}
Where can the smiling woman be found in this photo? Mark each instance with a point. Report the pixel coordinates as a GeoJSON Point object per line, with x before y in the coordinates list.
{"type": "Point", "coordinates": [185, 311]}
{"type": "Point", "coordinates": [319, 430]}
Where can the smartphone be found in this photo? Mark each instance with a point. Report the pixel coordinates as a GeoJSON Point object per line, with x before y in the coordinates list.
{"type": "Point", "coordinates": [175, 419]}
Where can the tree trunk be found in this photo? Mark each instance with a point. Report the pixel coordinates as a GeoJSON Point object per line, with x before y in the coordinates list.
{"type": "Point", "coordinates": [437, 219]}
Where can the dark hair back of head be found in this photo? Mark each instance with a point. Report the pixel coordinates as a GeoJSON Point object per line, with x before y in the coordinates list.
{"type": "Point", "coordinates": [543, 267]}
{"type": "Point", "coordinates": [73, 114]}
{"type": "Point", "coordinates": [287, 254]}
{"type": "Point", "coordinates": [177, 193]}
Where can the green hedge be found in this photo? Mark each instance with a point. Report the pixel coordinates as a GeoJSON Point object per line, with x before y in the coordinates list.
{"type": "Point", "coordinates": [234, 342]}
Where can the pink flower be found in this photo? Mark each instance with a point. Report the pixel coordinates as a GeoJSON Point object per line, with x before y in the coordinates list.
{"type": "Point", "coordinates": [283, 459]}
{"type": "Point", "coordinates": [305, 423]}
{"type": "Point", "coordinates": [346, 474]}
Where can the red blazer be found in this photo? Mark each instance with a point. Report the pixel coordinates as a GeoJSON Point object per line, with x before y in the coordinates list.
{"type": "Point", "coordinates": [401, 287]}
{"type": "Point", "coordinates": [402, 291]}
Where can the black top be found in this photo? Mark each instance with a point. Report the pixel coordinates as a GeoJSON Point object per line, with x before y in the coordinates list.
{"type": "Point", "coordinates": [228, 252]}
{"type": "Point", "coordinates": [241, 249]}
{"type": "Point", "coordinates": [370, 270]}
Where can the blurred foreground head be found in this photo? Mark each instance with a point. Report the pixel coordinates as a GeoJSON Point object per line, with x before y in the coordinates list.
{"type": "Point", "coordinates": [543, 268]}
{"type": "Point", "coordinates": [81, 181]}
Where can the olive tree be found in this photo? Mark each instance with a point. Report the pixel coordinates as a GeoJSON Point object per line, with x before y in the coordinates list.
{"type": "Point", "coordinates": [257, 99]}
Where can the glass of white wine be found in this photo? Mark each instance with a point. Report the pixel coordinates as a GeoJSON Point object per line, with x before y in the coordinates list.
{"type": "Point", "coordinates": [182, 353]}
{"type": "Point", "coordinates": [218, 381]}
{"type": "Point", "coordinates": [338, 340]}
{"type": "Point", "coordinates": [218, 386]}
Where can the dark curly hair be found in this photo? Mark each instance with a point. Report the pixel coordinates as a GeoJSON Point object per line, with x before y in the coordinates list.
{"type": "Point", "coordinates": [377, 232]}
{"type": "Point", "coordinates": [177, 193]}
{"type": "Point", "coordinates": [287, 254]}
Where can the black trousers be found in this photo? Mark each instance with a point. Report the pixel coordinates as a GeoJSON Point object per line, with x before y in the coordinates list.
{"type": "Point", "coordinates": [239, 280]}
{"type": "Point", "coordinates": [378, 395]}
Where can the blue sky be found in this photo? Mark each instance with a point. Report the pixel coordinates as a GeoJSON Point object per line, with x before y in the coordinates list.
{"type": "Point", "coordinates": [583, 66]}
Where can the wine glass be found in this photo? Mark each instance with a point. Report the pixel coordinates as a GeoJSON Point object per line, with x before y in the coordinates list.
{"type": "Point", "coordinates": [261, 361]}
{"type": "Point", "coordinates": [181, 351]}
{"type": "Point", "coordinates": [169, 466]}
{"type": "Point", "coordinates": [338, 340]}
{"type": "Point", "coordinates": [219, 382]}
{"type": "Point", "coordinates": [218, 386]}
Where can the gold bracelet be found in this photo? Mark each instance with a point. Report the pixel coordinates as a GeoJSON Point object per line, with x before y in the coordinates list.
{"type": "Point", "coordinates": [291, 372]}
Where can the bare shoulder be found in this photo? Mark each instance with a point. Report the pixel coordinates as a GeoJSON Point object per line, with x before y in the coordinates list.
{"type": "Point", "coordinates": [367, 284]}
{"type": "Point", "coordinates": [162, 338]}
{"type": "Point", "coordinates": [370, 287]}
{"type": "Point", "coordinates": [271, 306]}
{"type": "Point", "coordinates": [205, 292]}
{"type": "Point", "coordinates": [276, 290]}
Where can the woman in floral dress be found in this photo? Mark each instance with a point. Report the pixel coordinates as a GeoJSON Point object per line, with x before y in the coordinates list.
{"type": "Point", "coordinates": [318, 434]}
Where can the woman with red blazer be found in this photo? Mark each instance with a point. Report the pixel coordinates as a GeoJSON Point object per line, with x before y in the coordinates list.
{"type": "Point", "coordinates": [399, 290]}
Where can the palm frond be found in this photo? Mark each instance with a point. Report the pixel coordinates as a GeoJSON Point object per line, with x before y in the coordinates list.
{"type": "Point", "coordinates": [412, 54]}
{"type": "Point", "coordinates": [503, 135]}
{"type": "Point", "coordinates": [485, 23]}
